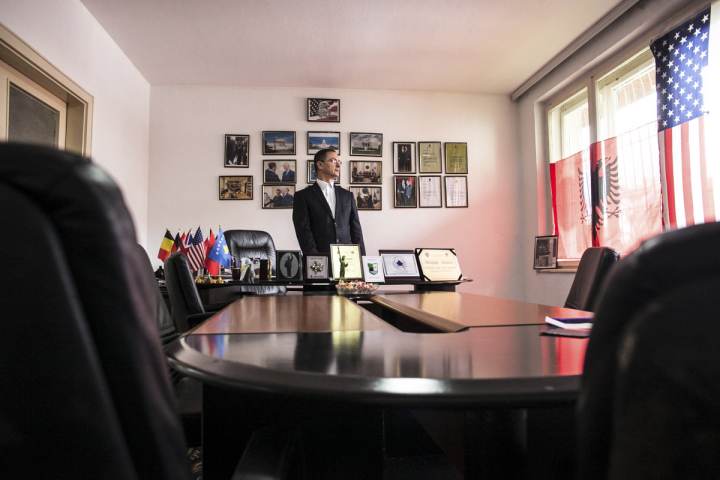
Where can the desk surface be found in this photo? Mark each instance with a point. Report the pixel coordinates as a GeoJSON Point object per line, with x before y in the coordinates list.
{"type": "Point", "coordinates": [362, 359]}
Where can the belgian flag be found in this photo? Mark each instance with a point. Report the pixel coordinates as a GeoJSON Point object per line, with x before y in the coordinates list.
{"type": "Point", "coordinates": [166, 245]}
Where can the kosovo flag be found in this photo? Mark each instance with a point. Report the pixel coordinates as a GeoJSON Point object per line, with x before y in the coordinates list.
{"type": "Point", "coordinates": [220, 252]}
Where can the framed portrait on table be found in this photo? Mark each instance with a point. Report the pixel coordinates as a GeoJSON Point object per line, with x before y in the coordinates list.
{"type": "Point", "coordinates": [346, 262]}
{"type": "Point", "coordinates": [365, 172]}
{"type": "Point", "coordinates": [278, 143]}
{"type": "Point", "coordinates": [317, 141]}
{"type": "Point", "coordinates": [279, 171]}
{"type": "Point", "coordinates": [237, 150]}
{"type": "Point", "coordinates": [323, 110]}
{"type": "Point", "coordinates": [405, 192]}
{"type": "Point", "coordinates": [236, 187]}
{"type": "Point", "coordinates": [367, 198]}
{"type": "Point", "coordinates": [429, 156]}
{"type": "Point", "coordinates": [399, 265]}
{"type": "Point", "coordinates": [278, 196]}
{"type": "Point", "coordinates": [456, 191]}
{"type": "Point", "coordinates": [429, 191]}
{"type": "Point", "coordinates": [456, 159]}
{"type": "Point", "coordinates": [366, 144]}
{"type": "Point", "coordinates": [316, 267]}
{"type": "Point", "coordinates": [545, 252]}
{"type": "Point", "coordinates": [289, 265]}
{"type": "Point", "coordinates": [404, 157]}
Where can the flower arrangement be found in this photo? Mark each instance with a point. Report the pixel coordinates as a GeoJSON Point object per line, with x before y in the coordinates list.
{"type": "Point", "coordinates": [356, 288]}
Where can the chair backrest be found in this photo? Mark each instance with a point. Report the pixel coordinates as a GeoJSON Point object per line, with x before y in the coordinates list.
{"type": "Point", "coordinates": [85, 389]}
{"type": "Point", "coordinates": [663, 265]}
{"type": "Point", "coordinates": [184, 297]}
{"type": "Point", "coordinates": [253, 244]}
{"type": "Point", "coordinates": [594, 266]}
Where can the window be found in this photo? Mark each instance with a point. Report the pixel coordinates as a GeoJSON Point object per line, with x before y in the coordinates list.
{"type": "Point", "coordinates": [569, 126]}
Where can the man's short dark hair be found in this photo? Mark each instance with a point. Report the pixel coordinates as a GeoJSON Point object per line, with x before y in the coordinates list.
{"type": "Point", "coordinates": [320, 156]}
{"type": "Point", "coordinates": [271, 165]}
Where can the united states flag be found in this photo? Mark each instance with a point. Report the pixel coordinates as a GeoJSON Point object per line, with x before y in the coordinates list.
{"type": "Point", "coordinates": [680, 57]}
{"type": "Point", "coordinates": [196, 253]}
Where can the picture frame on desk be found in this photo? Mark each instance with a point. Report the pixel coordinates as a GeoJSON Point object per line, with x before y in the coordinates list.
{"type": "Point", "coordinates": [316, 268]}
{"type": "Point", "coordinates": [236, 187]}
{"type": "Point", "coordinates": [438, 264]}
{"type": "Point", "coordinates": [373, 269]}
{"type": "Point", "coordinates": [350, 255]}
{"type": "Point", "coordinates": [545, 256]}
{"type": "Point", "coordinates": [237, 149]}
{"type": "Point", "coordinates": [399, 265]}
{"type": "Point", "coordinates": [289, 265]}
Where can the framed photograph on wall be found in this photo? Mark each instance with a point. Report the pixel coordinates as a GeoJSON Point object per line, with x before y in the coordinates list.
{"type": "Point", "coordinates": [236, 187]}
{"type": "Point", "coordinates": [367, 198]}
{"type": "Point", "coordinates": [404, 157]}
{"type": "Point", "coordinates": [237, 150]}
{"type": "Point", "coordinates": [429, 191]}
{"type": "Point", "coordinates": [312, 176]}
{"type": "Point", "coordinates": [405, 192]}
{"type": "Point", "coordinates": [317, 141]}
{"type": "Point", "coordinates": [365, 172]}
{"type": "Point", "coordinates": [366, 144]}
{"type": "Point", "coordinates": [456, 191]}
{"type": "Point", "coordinates": [456, 159]}
{"type": "Point", "coordinates": [316, 267]}
{"type": "Point", "coordinates": [279, 171]}
{"type": "Point", "coordinates": [323, 110]}
{"type": "Point", "coordinates": [289, 265]}
{"type": "Point", "coordinates": [278, 143]}
{"type": "Point", "coordinates": [545, 252]}
{"type": "Point", "coordinates": [429, 155]}
{"type": "Point", "coordinates": [278, 196]}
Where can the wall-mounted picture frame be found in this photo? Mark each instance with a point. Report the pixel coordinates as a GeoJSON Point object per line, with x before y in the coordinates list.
{"type": "Point", "coordinates": [399, 265]}
{"type": "Point", "coordinates": [278, 196]}
{"type": "Point", "coordinates": [350, 255]}
{"type": "Point", "coordinates": [405, 191]}
{"type": "Point", "coordinates": [312, 176]}
{"type": "Point", "coordinates": [366, 144]}
{"type": "Point", "coordinates": [429, 155]}
{"type": "Point", "coordinates": [317, 141]}
{"type": "Point", "coordinates": [278, 143]}
{"type": "Point", "coordinates": [545, 256]}
{"type": "Point", "coordinates": [366, 172]}
{"type": "Point", "coordinates": [323, 110]}
{"type": "Point", "coordinates": [430, 191]}
{"type": "Point", "coordinates": [456, 191]}
{"type": "Point", "coordinates": [404, 157]}
{"type": "Point", "coordinates": [316, 268]}
{"type": "Point", "coordinates": [236, 187]}
{"type": "Point", "coordinates": [367, 198]}
{"type": "Point", "coordinates": [373, 269]}
{"type": "Point", "coordinates": [289, 265]}
{"type": "Point", "coordinates": [237, 151]}
{"type": "Point", "coordinates": [279, 171]}
{"type": "Point", "coordinates": [456, 158]}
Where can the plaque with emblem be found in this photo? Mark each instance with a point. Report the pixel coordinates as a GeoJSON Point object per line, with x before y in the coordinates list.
{"type": "Point", "coordinates": [316, 268]}
{"type": "Point", "coordinates": [438, 264]}
{"type": "Point", "coordinates": [289, 265]}
{"type": "Point", "coordinates": [400, 265]}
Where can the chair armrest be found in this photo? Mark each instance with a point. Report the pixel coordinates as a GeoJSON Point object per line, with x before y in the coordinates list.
{"type": "Point", "coordinates": [269, 455]}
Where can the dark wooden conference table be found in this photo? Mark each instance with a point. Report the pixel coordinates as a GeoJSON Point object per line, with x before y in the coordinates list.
{"type": "Point", "coordinates": [335, 369]}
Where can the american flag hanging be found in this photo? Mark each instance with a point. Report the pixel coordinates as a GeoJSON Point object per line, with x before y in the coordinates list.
{"type": "Point", "coordinates": [680, 57]}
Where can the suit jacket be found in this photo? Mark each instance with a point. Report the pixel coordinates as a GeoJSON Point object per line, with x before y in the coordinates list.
{"type": "Point", "coordinates": [271, 176]}
{"type": "Point", "coordinates": [315, 227]}
{"type": "Point", "coordinates": [287, 200]}
{"type": "Point", "coordinates": [288, 176]}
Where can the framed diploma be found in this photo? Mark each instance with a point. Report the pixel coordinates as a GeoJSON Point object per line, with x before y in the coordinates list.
{"type": "Point", "coordinates": [289, 265]}
{"type": "Point", "coordinates": [438, 264]}
{"type": "Point", "coordinates": [456, 160]}
{"type": "Point", "coordinates": [429, 191]}
{"type": "Point", "coordinates": [316, 267]}
{"type": "Point", "coordinates": [456, 194]}
{"type": "Point", "coordinates": [346, 262]}
{"type": "Point", "coordinates": [404, 157]}
{"type": "Point", "coordinates": [399, 265]}
{"type": "Point", "coordinates": [429, 157]}
{"type": "Point", "coordinates": [373, 269]}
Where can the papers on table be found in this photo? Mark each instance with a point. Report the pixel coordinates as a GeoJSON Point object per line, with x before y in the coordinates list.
{"type": "Point", "coordinates": [570, 323]}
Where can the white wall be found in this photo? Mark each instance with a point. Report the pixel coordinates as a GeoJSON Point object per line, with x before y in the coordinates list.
{"type": "Point", "coordinates": [65, 33]}
{"type": "Point", "coordinates": [187, 128]}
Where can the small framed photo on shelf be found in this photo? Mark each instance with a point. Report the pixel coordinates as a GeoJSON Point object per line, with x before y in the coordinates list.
{"type": "Point", "coordinates": [456, 191]}
{"type": "Point", "coordinates": [429, 191]}
{"type": "Point", "coordinates": [429, 156]}
{"type": "Point", "coordinates": [366, 144]}
{"type": "Point", "coordinates": [349, 256]}
{"type": "Point", "coordinates": [279, 171]}
{"type": "Point", "coordinates": [399, 265]}
{"type": "Point", "coordinates": [278, 143]}
{"type": "Point", "coordinates": [367, 198]}
{"type": "Point", "coordinates": [236, 187]}
{"type": "Point", "coordinates": [365, 172]}
{"type": "Point", "coordinates": [278, 196]}
{"type": "Point", "coordinates": [545, 252]}
{"type": "Point", "coordinates": [405, 192]}
{"type": "Point", "coordinates": [323, 110]}
{"type": "Point", "coordinates": [404, 157]}
{"type": "Point", "coordinates": [373, 269]}
{"type": "Point", "coordinates": [237, 149]}
{"type": "Point", "coordinates": [289, 265]}
{"type": "Point", "coordinates": [316, 267]}
{"type": "Point", "coordinates": [312, 175]}
{"type": "Point", "coordinates": [456, 159]}
{"type": "Point", "coordinates": [317, 141]}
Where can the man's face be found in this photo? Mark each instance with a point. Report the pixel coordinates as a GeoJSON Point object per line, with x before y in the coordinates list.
{"type": "Point", "coordinates": [286, 166]}
{"type": "Point", "coordinates": [328, 166]}
{"type": "Point", "coordinates": [277, 192]}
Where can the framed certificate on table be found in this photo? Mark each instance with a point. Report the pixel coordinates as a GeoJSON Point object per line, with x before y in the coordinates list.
{"type": "Point", "coordinates": [316, 267]}
{"type": "Point", "coordinates": [399, 265]}
{"type": "Point", "coordinates": [346, 262]}
{"type": "Point", "coordinates": [438, 264]}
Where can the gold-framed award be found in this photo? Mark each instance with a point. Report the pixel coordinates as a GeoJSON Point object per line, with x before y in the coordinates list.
{"type": "Point", "coordinates": [346, 262]}
{"type": "Point", "coordinates": [438, 264]}
{"type": "Point", "coordinates": [429, 157]}
{"type": "Point", "coordinates": [456, 157]}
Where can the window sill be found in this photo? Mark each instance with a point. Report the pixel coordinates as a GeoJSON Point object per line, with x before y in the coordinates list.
{"type": "Point", "coordinates": [558, 270]}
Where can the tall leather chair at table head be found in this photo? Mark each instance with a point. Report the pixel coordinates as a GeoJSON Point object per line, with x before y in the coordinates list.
{"type": "Point", "coordinates": [85, 392]}
{"type": "Point", "coordinates": [254, 244]}
{"type": "Point", "coordinates": [595, 264]}
{"type": "Point", "coordinates": [650, 397]}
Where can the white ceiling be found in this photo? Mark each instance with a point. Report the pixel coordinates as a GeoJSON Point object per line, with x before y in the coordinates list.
{"type": "Point", "coordinates": [471, 46]}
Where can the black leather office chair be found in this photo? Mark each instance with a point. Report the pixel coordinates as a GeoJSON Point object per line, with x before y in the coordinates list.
{"type": "Point", "coordinates": [650, 394]}
{"type": "Point", "coordinates": [594, 266]}
{"type": "Point", "coordinates": [254, 244]}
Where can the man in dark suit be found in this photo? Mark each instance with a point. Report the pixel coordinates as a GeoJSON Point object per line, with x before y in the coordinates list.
{"type": "Point", "coordinates": [270, 175]}
{"type": "Point", "coordinates": [288, 174]}
{"type": "Point", "coordinates": [324, 214]}
{"type": "Point", "coordinates": [287, 199]}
